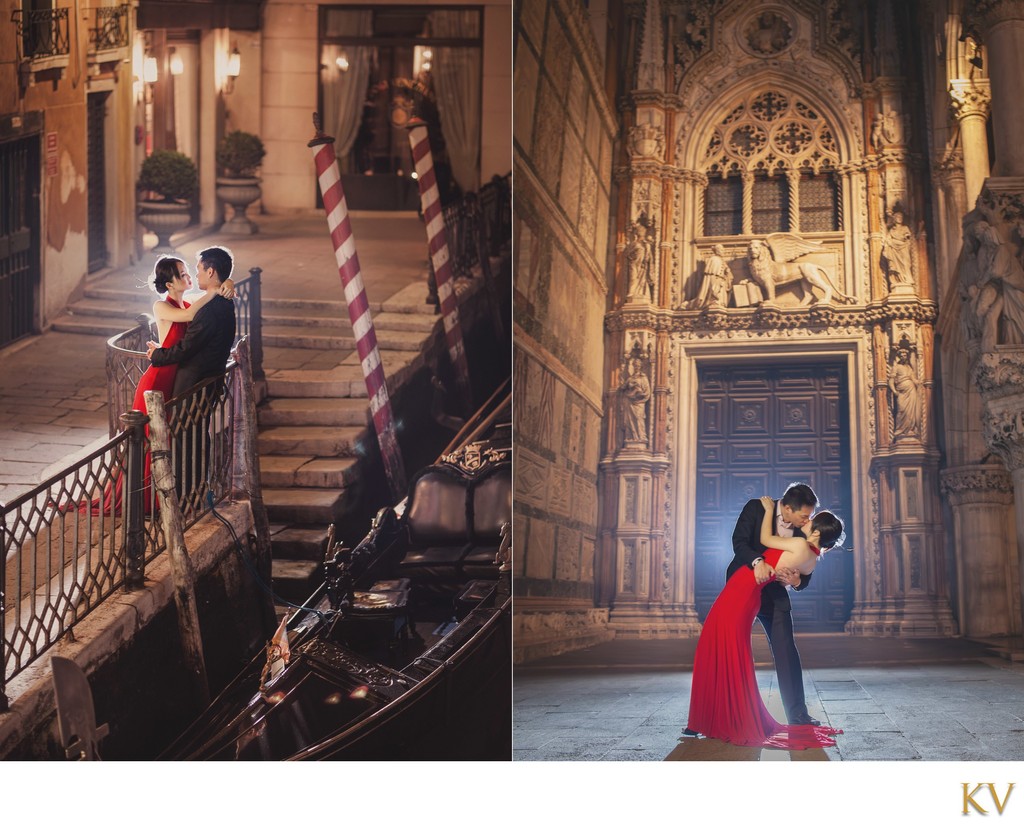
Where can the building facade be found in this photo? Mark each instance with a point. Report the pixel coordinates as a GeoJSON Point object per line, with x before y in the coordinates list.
{"type": "Point", "coordinates": [760, 243]}
{"type": "Point", "coordinates": [86, 94]}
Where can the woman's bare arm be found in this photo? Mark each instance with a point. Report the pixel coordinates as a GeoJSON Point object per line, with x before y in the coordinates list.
{"type": "Point", "coordinates": [163, 310]}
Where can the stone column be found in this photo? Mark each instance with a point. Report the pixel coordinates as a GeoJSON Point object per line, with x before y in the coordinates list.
{"type": "Point", "coordinates": [971, 104]}
{"type": "Point", "coordinates": [999, 376]}
{"type": "Point", "coordinates": [980, 496]}
{"type": "Point", "coordinates": [1001, 24]}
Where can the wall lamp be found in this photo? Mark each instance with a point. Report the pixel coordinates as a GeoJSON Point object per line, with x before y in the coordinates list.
{"type": "Point", "coordinates": [234, 69]}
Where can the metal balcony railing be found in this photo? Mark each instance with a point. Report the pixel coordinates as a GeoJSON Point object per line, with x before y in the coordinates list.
{"type": "Point", "coordinates": [41, 33]}
{"type": "Point", "coordinates": [111, 29]}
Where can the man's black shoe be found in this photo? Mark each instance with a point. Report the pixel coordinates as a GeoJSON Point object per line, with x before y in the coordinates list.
{"type": "Point", "coordinates": [691, 733]}
{"type": "Point", "coordinates": [806, 720]}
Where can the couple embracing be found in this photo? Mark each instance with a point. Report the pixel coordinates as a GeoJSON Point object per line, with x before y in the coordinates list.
{"type": "Point", "coordinates": [776, 544]}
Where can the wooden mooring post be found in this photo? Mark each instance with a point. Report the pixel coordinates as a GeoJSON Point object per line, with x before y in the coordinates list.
{"type": "Point", "coordinates": [173, 526]}
{"type": "Point", "coordinates": [246, 480]}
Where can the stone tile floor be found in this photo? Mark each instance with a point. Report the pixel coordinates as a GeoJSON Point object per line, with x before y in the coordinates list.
{"type": "Point", "coordinates": [967, 710]}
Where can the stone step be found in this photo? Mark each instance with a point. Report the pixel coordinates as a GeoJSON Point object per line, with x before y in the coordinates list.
{"type": "Point", "coordinates": [97, 326]}
{"type": "Point", "coordinates": [295, 543]}
{"type": "Point", "coordinates": [327, 339]}
{"type": "Point", "coordinates": [305, 506]}
{"type": "Point", "coordinates": [131, 296]}
{"type": "Point", "coordinates": [314, 412]}
{"type": "Point", "coordinates": [310, 319]}
{"type": "Point", "coordinates": [316, 441]}
{"type": "Point", "coordinates": [308, 471]}
{"type": "Point", "coordinates": [341, 382]}
{"type": "Point", "coordinates": [313, 318]}
{"type": "Point", "coordinates": [295, 581]}
{"type": "Point", "coordinates": [111, 309]}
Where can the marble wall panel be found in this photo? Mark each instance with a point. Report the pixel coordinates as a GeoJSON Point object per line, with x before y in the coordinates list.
{"type": "Point", "coordinates": [540, 549]}
{"type": "Point", "coordinates": [567, 563]}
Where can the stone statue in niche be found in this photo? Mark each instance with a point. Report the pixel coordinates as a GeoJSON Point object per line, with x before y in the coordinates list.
{"type": "Point", "coordinates": [886, 130]}
{"type": "Point", "coordinates": [905, 392]}
{"type": "Point", "coordinates": [639, 255]}
{"type": "Point", "coordinates": [716, 284]}
{"type": "Point", "coordinates": [898, 251]}
{"type": "Point", "coordinates": [635, 394]}
{"type": "Point", "coordinates": [773, 266]}
{"type": "Point", "coordinates": [992, 277]}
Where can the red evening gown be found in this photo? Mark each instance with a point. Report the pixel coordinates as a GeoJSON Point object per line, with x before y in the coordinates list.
{"type": "Point", "coordinates": [725, 702]}
{"type": "Point", "coordinates": [155, 378]}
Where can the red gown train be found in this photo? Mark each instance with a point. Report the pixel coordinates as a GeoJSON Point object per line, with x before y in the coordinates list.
{"type": "Point", "coordinates": [155, 378]}
{"type": "Point", "coordinates": [725, 701]}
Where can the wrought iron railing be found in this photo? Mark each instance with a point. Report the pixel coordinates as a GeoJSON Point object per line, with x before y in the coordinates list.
{"type": "Point", "coordinates": [477, 226]}
{"type": "Point", "coordinates": [126, 352]}
{"type": "Point", "coordinates": [111, 29]}
{"type": "Point", "coordinates": [76, 538]}
{"type": "Point", "coordinates": [41, 33]}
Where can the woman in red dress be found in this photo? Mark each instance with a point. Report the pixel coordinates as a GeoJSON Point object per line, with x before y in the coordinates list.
{"type": "Point", "coordinates": [172, 315]}
{"type": "Point", "coordinates": [725, 701]}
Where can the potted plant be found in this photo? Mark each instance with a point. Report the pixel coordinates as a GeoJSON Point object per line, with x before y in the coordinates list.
{"type": "Point", "coordinates": [170, 181]}
{"type": "Point", "coordinates": [239, 154]}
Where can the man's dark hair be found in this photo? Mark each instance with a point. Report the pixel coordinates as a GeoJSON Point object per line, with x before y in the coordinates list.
{"type": "Point", "coordinates": [799, 495]}
{"type": "Point", "coordinates": [219, 259]}
{"type": "Point", "coordinates": [830, 527]}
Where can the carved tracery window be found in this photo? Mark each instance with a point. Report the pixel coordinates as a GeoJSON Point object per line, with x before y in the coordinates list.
{"type": "Point", "coordinates": [771, 166]}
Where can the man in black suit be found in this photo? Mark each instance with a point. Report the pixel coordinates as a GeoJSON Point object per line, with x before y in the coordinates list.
{"type": "Point", "coordinates": [202, 353]}
{"type": "Point", "coordinates": [791, 512]}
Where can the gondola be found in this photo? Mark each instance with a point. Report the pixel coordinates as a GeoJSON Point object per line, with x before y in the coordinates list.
{"type": "Point", "coordinates": [405, 651]}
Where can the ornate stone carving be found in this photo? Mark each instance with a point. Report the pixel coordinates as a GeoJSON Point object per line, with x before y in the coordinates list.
{"type": "Point", "coordinates": [634, 395]}
{"type": "Point", "coordinates": [1000, 374]}
{"type": "Point", "coordinates": [651, 71]}
{"type": "Point", "coordinates": [991, 278]}
{"type": "Point", "coordinates": [899, 253]}
{"type": "Point", "coordinates": [970, 97]}
{"type": "Point", "coordinates": [1003, 430]}
{"type": "Point", "coordinates": [982, 15]}
{"type": "Point", "coordinates": [693, 37]}
{"type": "Point", "coordinates": [647, 140]}
{"type": "Point", "coordinates": [767, 33]}
{"type": "Point", "coordinates": [773, 266]}
{"type": "Point", "coordinates": [887, 130]}
{"type": "Point", "coordinates": [906, 393]}
{"type": "Point", "coordinates": [843, 32]}
{"type": "Point", "coordinates": [976, 484]}
{"type": "Point", "coordinates": [771, 129]}
{"type": "Point", "coordinates": [716, 284]}
{"type": "Point", "coordinates": [639, 259]}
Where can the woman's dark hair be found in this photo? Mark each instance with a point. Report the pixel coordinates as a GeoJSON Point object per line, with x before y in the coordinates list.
{"type": "Point", "coordinates": [166, 270]}
{"type": "Point", "coordinates": [830, 527]}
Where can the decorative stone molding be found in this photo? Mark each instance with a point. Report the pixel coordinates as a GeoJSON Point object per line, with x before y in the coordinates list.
{"type": "Point", "coordinates": [967, 484]}
{"type": "Point", "coordinates": [646, 141]}
{"type": "Point", "coordinates": [651, 66]}
{"type": "Point", "coordinates": [715, 323]}
{"type": "Point", "coordinates": [970, 98]}
{"type": "Point", "coordinates": [1003, 430]}
{"type": "Point", "coordinates": [1000, 374]}
{"type": "Point", "coordinates": [981, 15]}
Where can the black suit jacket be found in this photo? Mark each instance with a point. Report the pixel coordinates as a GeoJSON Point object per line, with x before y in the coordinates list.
{"type": "Point", "coordinates": [746, 544]}
{"type": "Point", "coordinates": [203, 351]}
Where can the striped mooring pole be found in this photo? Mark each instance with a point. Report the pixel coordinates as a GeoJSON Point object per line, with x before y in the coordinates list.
{"type": "Point", "coordinates": [437, 243]}
{"type": "Point", "coordinates": [340, 225]}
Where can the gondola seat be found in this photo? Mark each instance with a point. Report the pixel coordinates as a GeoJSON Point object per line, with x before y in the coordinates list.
{"type": "Point", "coordinates": [453, 520]}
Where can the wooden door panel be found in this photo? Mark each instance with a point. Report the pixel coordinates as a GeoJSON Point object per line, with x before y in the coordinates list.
{"type": "Point", "coordinates": [760, 428]}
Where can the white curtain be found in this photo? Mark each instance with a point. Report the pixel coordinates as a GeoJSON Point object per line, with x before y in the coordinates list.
{"type": "Point", "coordinates": [456, 72]}
{"type": "Point", "coordinates": [345, 90]}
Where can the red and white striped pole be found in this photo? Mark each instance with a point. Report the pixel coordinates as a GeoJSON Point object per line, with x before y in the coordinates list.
{"type": "Point", "coordinates": [358, 307]}
{"type": "Point", "coordinates": [437, 242]}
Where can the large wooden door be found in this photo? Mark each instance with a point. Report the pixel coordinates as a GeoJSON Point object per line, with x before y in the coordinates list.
{"type": "Point", "coordinates": [19, 237]}
{"type": "Point", "coordinates": [759, 428]}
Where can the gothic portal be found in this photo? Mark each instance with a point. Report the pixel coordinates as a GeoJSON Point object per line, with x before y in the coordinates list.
{"type": "Point", "coordinates": [739, 265]}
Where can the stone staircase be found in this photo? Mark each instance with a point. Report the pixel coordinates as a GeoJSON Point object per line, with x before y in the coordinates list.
{"type": "Point", "coordinates": [315, 418]}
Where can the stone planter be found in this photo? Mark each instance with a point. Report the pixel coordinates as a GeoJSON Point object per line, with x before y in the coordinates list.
{"type": "Point", "coordinates": [239, 192]}
{"type": "Point", "coordinates": [163, 220]}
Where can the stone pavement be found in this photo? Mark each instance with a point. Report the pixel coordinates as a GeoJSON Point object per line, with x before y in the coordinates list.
{"type": "Point", "coordinates": [53, 400]}
{"type": "Point", "coordinates": [896, 700]}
